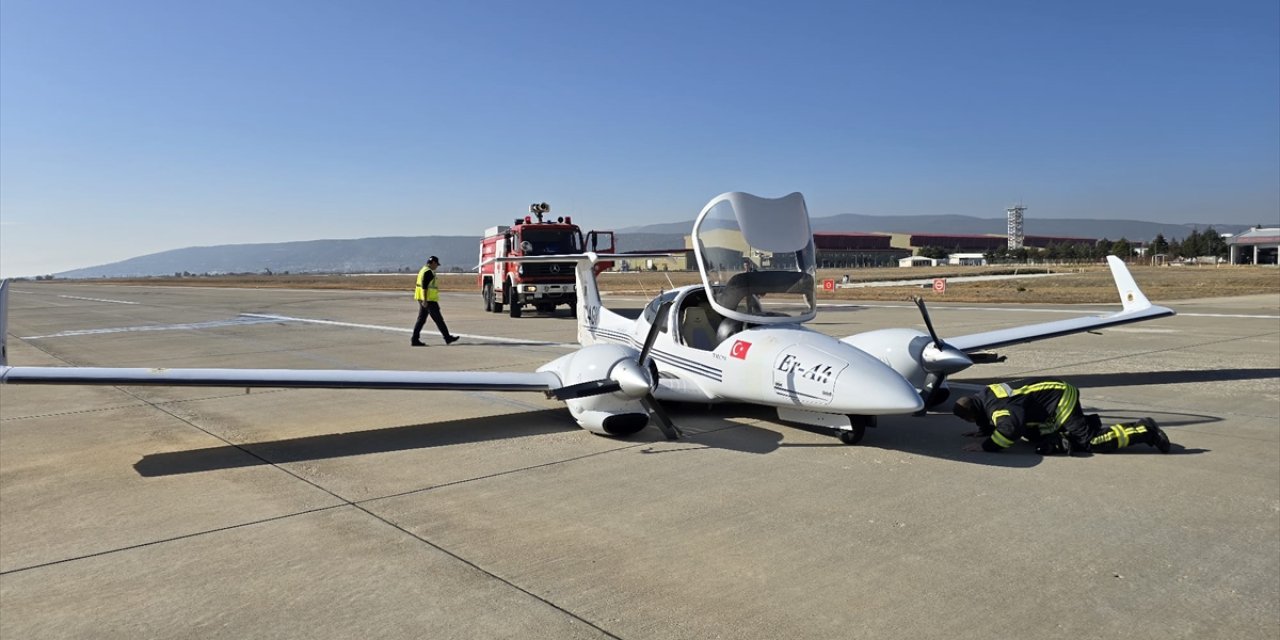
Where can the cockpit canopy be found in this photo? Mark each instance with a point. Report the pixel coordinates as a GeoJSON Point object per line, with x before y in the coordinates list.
{"type": "Point", "coordinates": [756, 257]}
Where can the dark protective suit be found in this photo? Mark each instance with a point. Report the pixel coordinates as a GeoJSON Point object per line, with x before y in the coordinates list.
{"type": "Point", "coordinates": [1048, 413]}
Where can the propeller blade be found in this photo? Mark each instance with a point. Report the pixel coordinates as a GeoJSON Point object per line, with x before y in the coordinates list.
{"type": "Point", "coordinates": [669, 429]}
{"type": "Point", "coordinates": [586, 389]}
{"type": "Point", "coordinates": [927, 322]}
{"type": "Point", "coordinates": [940, 357]}
{"type": "Point", "coordinates": [659, 322]}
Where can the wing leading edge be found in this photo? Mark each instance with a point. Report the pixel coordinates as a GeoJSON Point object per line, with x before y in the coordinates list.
{"type": "Point", "coordinates": [286, 378]}
{"type": "Point", "coordinates": [1136, 308]}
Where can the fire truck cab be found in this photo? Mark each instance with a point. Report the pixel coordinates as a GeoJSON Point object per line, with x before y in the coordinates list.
{"type": "Point", "coordinates": [541, 285]}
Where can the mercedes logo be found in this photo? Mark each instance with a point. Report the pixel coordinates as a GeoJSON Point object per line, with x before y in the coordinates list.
{"type": "Point", "coordinates": [555, 268]}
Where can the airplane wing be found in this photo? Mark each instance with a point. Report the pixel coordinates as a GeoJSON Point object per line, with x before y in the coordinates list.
{"type": "Point", "coordinates": [278, 378]}
{"type": "Point", "coordinates": [285, 378]}
{"type": "Point", "coordinates": [1135, 308]}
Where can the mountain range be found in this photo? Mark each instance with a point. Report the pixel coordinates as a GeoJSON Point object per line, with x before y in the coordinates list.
{"type": "Point", "coordinates": [407, 254]}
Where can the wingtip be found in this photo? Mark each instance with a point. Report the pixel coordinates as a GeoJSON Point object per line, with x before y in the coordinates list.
{"type": "Point", "coordinates": [1130, 295]}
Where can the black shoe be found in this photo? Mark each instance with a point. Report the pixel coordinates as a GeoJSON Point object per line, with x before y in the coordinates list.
{"type": "Point", "coordinates": [1159, 439]}
{"type": "Point", "coordinates": [451, 339]}
{"type": "Point", "coordinates": [417, 343]}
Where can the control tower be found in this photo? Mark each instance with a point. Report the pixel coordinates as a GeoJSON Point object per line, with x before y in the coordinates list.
{"type": "Point", "coordinates": [1015, 226]}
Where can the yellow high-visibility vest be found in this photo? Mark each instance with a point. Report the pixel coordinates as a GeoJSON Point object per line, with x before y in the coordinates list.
{"type": "Point", "coordinates": [432, 293]}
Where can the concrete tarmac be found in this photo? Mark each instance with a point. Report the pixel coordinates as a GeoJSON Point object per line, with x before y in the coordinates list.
{"type": "Point", "coordinates": [152, 512]}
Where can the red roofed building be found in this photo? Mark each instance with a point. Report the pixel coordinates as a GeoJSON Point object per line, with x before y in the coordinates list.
{"type": "Point", "coordinates": [840, 250]}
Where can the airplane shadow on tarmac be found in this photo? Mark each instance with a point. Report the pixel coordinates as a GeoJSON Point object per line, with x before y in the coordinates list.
{"type": "Point", "coordinates": [936, 435]}
{"type": "Point", "coordinates": [1141, 378]}
{"type": "Point", "coordinates": [354, 443]}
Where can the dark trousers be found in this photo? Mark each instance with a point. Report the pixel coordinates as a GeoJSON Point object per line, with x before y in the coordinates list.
{"type": "Point", "coordinates": [430, 309]}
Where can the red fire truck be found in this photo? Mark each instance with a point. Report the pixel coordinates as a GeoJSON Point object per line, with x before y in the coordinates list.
{"type": "Point", "coordinates": [540, 284]}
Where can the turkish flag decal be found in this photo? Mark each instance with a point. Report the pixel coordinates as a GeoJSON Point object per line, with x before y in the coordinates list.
{"type": "Point", "coordinates": [739, 349]}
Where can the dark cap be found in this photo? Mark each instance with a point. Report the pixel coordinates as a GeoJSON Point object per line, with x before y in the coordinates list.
{"type": "Point", "coordinates": [434, 259]}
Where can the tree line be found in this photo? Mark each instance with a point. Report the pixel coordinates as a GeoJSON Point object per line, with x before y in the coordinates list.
{"type": "Point", "coordinates": [1197, 244]}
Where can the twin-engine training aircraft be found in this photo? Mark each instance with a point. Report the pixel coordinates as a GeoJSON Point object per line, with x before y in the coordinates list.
{"type": "Point", "coordinates": [737, 337]}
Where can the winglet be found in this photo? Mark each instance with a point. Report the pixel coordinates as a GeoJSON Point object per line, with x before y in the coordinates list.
{"type": "Point", "coordinates": [4, 323]}
{"type": "Point", "coordinates": [1130, 295]}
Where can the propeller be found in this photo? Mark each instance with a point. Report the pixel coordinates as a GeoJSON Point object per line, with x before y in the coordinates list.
{"type": "Point", "coordinates": [635, 379]}
{"type": "Point", "coordinates": [938, 359]}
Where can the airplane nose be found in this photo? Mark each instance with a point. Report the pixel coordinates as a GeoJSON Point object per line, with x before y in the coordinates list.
{"type": "Point", "coordinates": [875, 390]}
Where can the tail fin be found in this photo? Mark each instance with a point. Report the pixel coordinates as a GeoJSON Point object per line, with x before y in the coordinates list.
{"type": "Point", "coordinates": [4, 323]}
{"type": "Point", "coordinates": [1130, 295]}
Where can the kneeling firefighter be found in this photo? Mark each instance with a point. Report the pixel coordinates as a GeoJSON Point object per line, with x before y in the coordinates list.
{"type": "Point", "coordinates": [1048, 413]}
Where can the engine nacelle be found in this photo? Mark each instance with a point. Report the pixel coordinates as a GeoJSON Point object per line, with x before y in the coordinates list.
{"type": "Point", "coordinates": [899, 348]}
{"type": "Point", "coordinates": [608, 414]}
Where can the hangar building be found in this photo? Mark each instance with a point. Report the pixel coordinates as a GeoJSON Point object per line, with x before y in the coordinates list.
{"type": "Point", "coordinates": [1259, 245]}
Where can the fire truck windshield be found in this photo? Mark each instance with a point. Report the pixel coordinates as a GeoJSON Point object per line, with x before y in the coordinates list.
{"type": "Point", "coordinates": [547, 242]}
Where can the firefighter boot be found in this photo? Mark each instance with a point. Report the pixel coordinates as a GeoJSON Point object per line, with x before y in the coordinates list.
{"type": "Point", "coordinates": [1119, 436]}
{"type": "Point", "coordinates": [1156, 436]}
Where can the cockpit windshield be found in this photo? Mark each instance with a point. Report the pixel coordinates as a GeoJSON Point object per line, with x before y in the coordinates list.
{"type": "Point", "coordinates": [756, 257]}
{"type": "Point", "coordinates": [549, 242]}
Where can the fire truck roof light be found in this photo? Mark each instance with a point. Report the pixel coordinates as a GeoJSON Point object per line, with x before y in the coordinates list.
{"type": "Point", "coordinates": [568, 220]}
{"type": "Point", "coordinates": [528, 220]}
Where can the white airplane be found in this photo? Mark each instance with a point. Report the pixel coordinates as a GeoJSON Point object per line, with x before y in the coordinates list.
{"type": "Point", "coordinates": [737, 337]}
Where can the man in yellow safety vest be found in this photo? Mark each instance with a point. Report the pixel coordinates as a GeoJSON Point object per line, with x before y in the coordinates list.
{"type": "Point", "coordinates": [427, 293]}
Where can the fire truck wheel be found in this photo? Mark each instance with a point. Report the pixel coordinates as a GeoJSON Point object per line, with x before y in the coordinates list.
{"type": "Point", "coordinates": [514, 301]}
{"type": "Point", "coordinates": [487, 294]}
{"type": "Point", "coordinates": [496, 304]}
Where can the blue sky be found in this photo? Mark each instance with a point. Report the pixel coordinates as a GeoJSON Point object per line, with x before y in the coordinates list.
{"type": "Point", "coordinates": [131, 127]}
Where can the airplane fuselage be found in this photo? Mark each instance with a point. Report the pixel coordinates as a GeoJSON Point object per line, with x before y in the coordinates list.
{"type": "Point", "coordinates": [785, 365]}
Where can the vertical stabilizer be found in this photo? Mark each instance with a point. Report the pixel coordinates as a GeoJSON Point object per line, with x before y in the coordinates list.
{"type": "Point", "coordinates": [588, 305]}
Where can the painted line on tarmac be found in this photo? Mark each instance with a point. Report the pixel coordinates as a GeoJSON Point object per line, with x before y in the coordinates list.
{"type": "Point", "coordinates": [97, 299]}
{"type": "Point", "coordinates": [837, 305]}
{"type": "Point", "coordinates": [213, 324]}
{"type": "Point", "coordinates": [378, 327]}
{"type": "Point", "coordinates": [1227, 315]}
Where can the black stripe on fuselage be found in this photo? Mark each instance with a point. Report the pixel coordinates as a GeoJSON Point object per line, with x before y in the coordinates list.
{"type": "Point", "coordinates": [678, 362]}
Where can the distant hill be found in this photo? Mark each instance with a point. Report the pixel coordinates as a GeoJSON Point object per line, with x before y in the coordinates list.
{"type": "Point", "coordinates": [364, 255]}
{"type": "Point", "coordinates": [1069, 227]}
{"type": "Point", "coordinates": [407, 254]}
{"type": "Point", "coordinates": [953, 224]}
